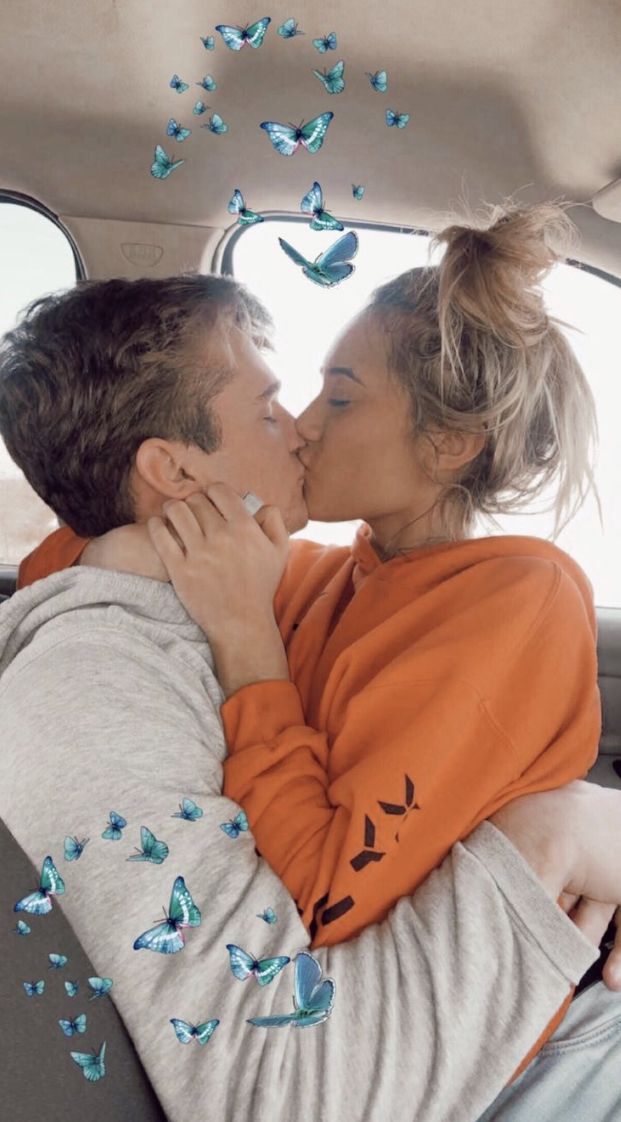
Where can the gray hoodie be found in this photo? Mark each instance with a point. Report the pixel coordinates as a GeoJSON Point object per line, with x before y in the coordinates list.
{"type": "Point", "coordinates": [108, 702]}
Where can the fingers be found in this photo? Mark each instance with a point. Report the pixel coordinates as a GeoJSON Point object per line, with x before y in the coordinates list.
{"type": "Point", "coordinates": [165, 542]}
{"type": "Point", "coordinates": [611, 973]}
{"type": "Point", "coordinates": [270, 520]}
{"type": "Point", "coordinates": [592, 918]}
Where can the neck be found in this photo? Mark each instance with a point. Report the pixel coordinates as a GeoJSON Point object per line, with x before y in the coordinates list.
{"type": "Point", "coordinates": [388, 542]}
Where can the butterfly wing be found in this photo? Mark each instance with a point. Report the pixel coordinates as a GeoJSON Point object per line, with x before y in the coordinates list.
{"type": "Point", "coordinates": [208, 42]}
{"type": "Point", "coordinates": [93, 1067]}
{"type": "Point", "coordinates": [340, 251]}
{"type": "Point", "coordinates": [255, 33]}
{"type": "Point", "coordinates": [51, 881]}
{"type": "Point", "coordinates": [293, 253]}
{"type": "Point", "coordinates": [233, 36]}
{"type": "Point", "coordinates": [57, 961]}
{"type": "Point", "coordinates": [230, 829]}
{"type": "Point", "coordinates": [321, 45]}
{"type": "Point", "coordinates": [182, 909]}
{"type": "Point", "coordinates": [241, 820]}
{"type": "Point", "coordinates": [177, 84]}
{"type": "Point", "coordinates": [154, 850]}
{"type": "Point", "coordinates": [236, 204]}
{"type": "Point", "coordinates": [80, 1022]}
{"type": "Point", "coordinates": [117, 820]}
{"type": "Point", "coordinates": [183, 1031]}
{"type": "Point", "coordinates": [289, 29]}
{"type": "Point", "coordinates": [205, 1031]}
{"type": "Point", "coordinates": [208, 83]}
{"type": "Point", "coordinates": [111, 832]}
{"type": "Point", "coordinates": [402, 120]}
{"type": "Point", "coordinates": [73, 849]}
{"type": "Point", "coordinates": [331, 41]}
{"type": "Point", "coordinates": [357, 190]}
{"type": "Point", "coordinates": [314, 131]}
{"type": "Point", "coordinates": [171, 127]}
{"type": "Point", "coordinates": [311, 994]}
{"type": "Point", "coordinates": [268, 968]}
{"type": "Point", "coordinates": [37, 903]}
{"type": "Point", "coordinates": [333, 80]}
{"type": "Point", "coordinates": [33, 989]}
{"type": "Point", "coordinates": [249, 218]}
{"type": "Point", "coordinates": [100, 986]}
{"type": "Point", "coordinates": [277, 1021]}
{"type": "Point", "coordinates": [22, 928]}
{"type": "Point", "coordinates": [324, 221]}
{"type": "Point", "coordinates": [313, 200]}
{"type": "Point", "coordinates": [391, 118]}
{"type": "Point", "coordinates": [199, 108]}
{"type": "Point", "coordinates": [163, 938]}
{"type": "Point", "coordinates": [71, 988]}
{"type": "Point", "coordinates": [283, 138]}
{"type": "Point", "coordinates": [242, 964]}
{"type": "Point", "coordinates": [67, 1027]}
{"type": "Point", "coordinates": [190, 809]}
{"type": "Point", "coordinates": [379, 81]}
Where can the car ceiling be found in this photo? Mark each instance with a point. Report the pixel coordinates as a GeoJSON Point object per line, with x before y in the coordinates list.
{"type": "Point", "coordinates": [505, 99]}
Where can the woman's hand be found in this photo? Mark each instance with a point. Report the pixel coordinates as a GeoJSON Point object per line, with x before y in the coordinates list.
{"type": "Point", "coordinates": [128, 549]}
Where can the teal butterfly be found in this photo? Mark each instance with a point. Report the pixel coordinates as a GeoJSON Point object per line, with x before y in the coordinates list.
{"type": "Point", "coordinates": [286, 139]}
{"type": "Point", "coordinates": [379, 80]}
{"type": "Point", "coordinates": [289, 29]}
{"type": "Point", "coordinates": [92, 1064]}
{"type": "Point", "coordinates": [244, 964]}
{"type": "Point", "coordinates": [328, 43]}
{"type": "Point", "coordinates": [398, 119]}
{"type": "Point", "coordinates": [207, 83]}
{"type": "Point", "coordinates": [208, 42]}
{"type": "Point", "coordinates": [312, 203]}
{"type": "Point", "coordinates": [237, 206]}
{"type": "Point", "coordinates": [269, 915]}
{"type": "Point", "coordinates": [116, 823]}
{"type": "Point", "coordinates": [51, 884]}
{"type": "Point", "coordinates": [332, 79]}
{"type": "Point", "coordinates": [188, 810]}
{"type": "Point", "coordinates": [216, 124]}
{"type": "Point", "coordinates": [234, 826]}
{"type": "Point", "coordinates": [184, 1031]}
{"type": "Point", "coordinates": [22, 928]}
{"type": "Point", "coordinates": [74, 848]}
{"type": "Point", "coordinates": [152, 849]}
{"type": "Point", "coordinates": [199, 108]}
{"type": "Point", "coordinates": [330, 267]}
{"type": "Point", "coordinates": [357, 190]}
{"type": "Point", "coordinates": [72, 988]}
{"type": "Point", "coordinates": [57, 961]}
{"type": "Point", "coordinates": [33, 989]}
{"type": "Point", "coordinates": [71, 1027]}
{"type": "Point", "coordinates": [175, 129]}
{"type": "Point", "coordinates": [167, 937]}
{"type": "Point", "coordinates": [313, 998]}
{"type": "Point", "coordinates": [253, 34]}
{"type": "Point", "coordinates": [100, 987]}
{"type": "Point", "coordinates": [163, 164]}
{"type": "Point", "coordinates": [176, 84]}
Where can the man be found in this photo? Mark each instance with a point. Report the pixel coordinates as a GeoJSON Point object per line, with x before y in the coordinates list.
{"type": "Point", "coordinates": [113, 398]}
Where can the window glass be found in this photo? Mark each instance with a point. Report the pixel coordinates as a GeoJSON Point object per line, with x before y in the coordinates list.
{"type": "Point", "coordinates": [308, 317]}
{"type": "Point", "coordinates": [36, 258]}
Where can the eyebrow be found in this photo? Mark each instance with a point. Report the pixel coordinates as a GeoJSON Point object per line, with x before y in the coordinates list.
{"type": "Point", "coordinates": [270, 391]}
{"type": "Point", "coordinates": [347, 371]}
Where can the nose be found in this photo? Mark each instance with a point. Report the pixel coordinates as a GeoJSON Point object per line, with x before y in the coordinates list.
{"type": "Point", "coordinates": [294, 440]}
{"type": "Point", "coordinates": [308, 424]}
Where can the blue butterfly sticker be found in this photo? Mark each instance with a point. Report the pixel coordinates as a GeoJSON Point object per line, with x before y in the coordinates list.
{"type": "Point", "coordinates": [176, 84]}
{"type": "Point", "coordinates": [188, 810]}
{"type": "Point", "coordinates": [234, 826]}
{"type": "Point", "coordinates": [328, 43]}
{"type": "Point", "coordinates": [357, 190]}
{"type": "Point", "coordinates": [208, 42]}
{"type": "Point", "coordinates": [332, 79]}
{"type": "Point", "coordinates": [286, 139]}
{"type": "Point", "coordinates": [243, 965]}
{"type": "Point", "coordinates": [330, 267]}
{"type": "Point", "coordinates": [116, 823]}
{"type": "Point", "coordinates": [72, 988]}
{"type": "Point", "coordinates": [175, 129]}
{"type": "Point", "coordinates": [163, 165]}
{"type": "Point", "coordinates": [71, 1027]}
{"type": "Point", "coordinates": [51, 884]}
{"type": "Point", "coordinates": [92, 1064]}
{"type": "Point", "coordinates": [207, 83]}
{"type": "Point", "coordinates": [22, 928]}
{"type": "Point", "coordinates": [74, 848]}
{"type": "Point", "coordinates": [313, 998]}
{"type": "Point", "coordinates": [152, 849]}
{"type": "Point", "coordinates": [200, 108]}
{"type": "Point", "coordinates": [167, 937]}
{"type": "Point", "coordinates": [216, 124]}
{"type": "Point", "coordinates": [34, 989]}
{"type": "Point", "coordinates": [289, 29]}
{"type": "Point", "coordinates": [379, 80]}
{"type": "Point", "coordinates": [398, 119]}
{"type": "Point", "coordinates": [237, 37]}
{"type": "Point", "coordinates": [312, 203]}
{"type": "Point", "coordinates": [100, 987]}
{"type": "Point", "coordinates": [269, 915]}
{"type": "Point", "coordinates": [57, 961]}
{"type": "Point", "coordinates": [237, 206]}
{"type": "Point", "coordinates": [202, 1033]}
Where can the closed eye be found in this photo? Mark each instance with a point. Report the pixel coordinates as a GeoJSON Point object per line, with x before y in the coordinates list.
{"type": "Point", "coordinates": [337, 402]}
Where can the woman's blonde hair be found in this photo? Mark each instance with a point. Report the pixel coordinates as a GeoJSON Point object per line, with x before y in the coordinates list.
{"type": "Point", "coordinates": [472, 343]}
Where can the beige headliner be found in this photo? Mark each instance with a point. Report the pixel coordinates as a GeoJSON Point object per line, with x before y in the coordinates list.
{"type": "Point", "coordinates": [503, 98]}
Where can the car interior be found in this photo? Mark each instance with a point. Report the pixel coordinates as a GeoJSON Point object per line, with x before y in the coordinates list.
{"type": "Point", "coordinates": [132, 144]}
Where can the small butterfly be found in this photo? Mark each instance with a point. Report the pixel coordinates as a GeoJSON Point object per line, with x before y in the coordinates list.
{"type": "Point", "coordinates": [92, 1064]}
{"type": "Point", "coordinates": [398, 119]}
{"type": "Point", "coordinates": [199, 108]}
{"type": "Point", "coordinates": [188, 810]}
{"type": "Point", "coordinates": [152, 849]}
{"type": "Point", "coordinates": [326, 44]}
{"type": "Point", "coordinates": [207, 83]}
{"type": "Point", "coordinates": [185, 1031]}
{"type": "Point", "coordinates": [57, 961]}
{"type": "Point", "coordinates": [163, 164]}
{"type": "Point", "coordinates": [237, 206]}
{"type": "Point", "coordinates": [74, 848]}
{"type": "Point", "coordinates": [312, 203]}
{"type": "Point", "coordinates": [234, 826]}
{"type": "Point", "coordinates": [379, 80]}
{"type": "Point", "coordinates": [100, 986]}
{"type": "Point", "coordinates": [286, 139]}
{"type": "Point", "coordinates": [33, 989]}
{"type": "Point", "coordinates": [71, 1027]}
{"type": "Point", "coordinates": [50, 884]}
{"type": "Point", "coordinates": [269, 915]}
{"type": "Point", "coordinates": [208, 42]}
{"type": "Point", "coordinates": [289, 29]}
{"type": "Point", "coordinates": [176, 84]}
{"type": "Point", "coordinates": [357, 190]}
{"type": "Point", "coordinates": [167, 937]}
{"type": "Point", "coordinates": [330, 267]}
{"type": "Point", "coordinates": [72, 988]}
{"type": "Point", "coordinates": [116, 824]}
{"type": "Point", "coordinates": [332, 79]}
{"type": "Point", "coordinates": [244, 964]}
{"type": "Point", "coordinates": [174, 129]}
{"type": "Point", "coordinates": [253, 33]}
{"type": "Point", "coordinates": [312, 998]}
{"type": "Point", "coordinates": [22, 928]}
{"type": "Point", "coordinates": [216, 124]}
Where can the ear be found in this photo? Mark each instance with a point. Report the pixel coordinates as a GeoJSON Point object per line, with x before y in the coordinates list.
{"type": "Point", "coordinates": [164, 467]}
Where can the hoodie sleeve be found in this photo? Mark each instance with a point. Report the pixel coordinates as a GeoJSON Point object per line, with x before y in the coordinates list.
{"type": "Point", "coordinates": [57, 551]}
{"type": "Point", "coordinates": [458, 981]}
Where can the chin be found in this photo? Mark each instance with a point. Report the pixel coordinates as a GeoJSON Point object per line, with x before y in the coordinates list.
{"type": "Point", "coordinates": [296, 517]}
